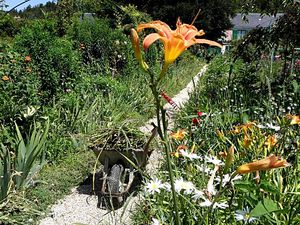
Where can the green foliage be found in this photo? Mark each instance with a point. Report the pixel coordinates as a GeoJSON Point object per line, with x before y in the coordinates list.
{"type": "Point", "coordinates": [19, 86]}
{"type": "Point", "coordinates": [27, 153]}
{"type": "Point", "coordinates": [9, 26]}
{"type": "Point", "coordinates": [214, 24]}
{"type": "Point", "coordinates": [5, 173]}
{"type": "Point", "coordinates": [36, 39]}
{"type": "Point", "coordinates": [57, 64]}
{"type": "Point", "coordinates": [59, 69]}
{"type": "Point", "coordinates": [129, 17]}
{"type": "Point", "coordinates": [265, 6]}
{"type": "Point", "coordinates": [19, 161]}
{"type": "Point", "coordinates": [108, 51]}
{"type": "Point", "coordinates": [238, 82]}
{"type": "Point", "coordinates": [231, 94]}
{"type": "Point", "coordinates": [39, 11]}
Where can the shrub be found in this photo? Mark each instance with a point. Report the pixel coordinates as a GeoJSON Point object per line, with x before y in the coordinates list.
{"type": "Point", "coordinates": [36, 39]}
{"type": "Point", "coordinates": [8, 25]}
{"type": "Point", "coordinates": [19, 86]}
{"type": "Point", "coordinates": [56, 61]}
{"type": "Point", "coordinates": [106, 50]}
{"type": "Point", "coordinates": [19, 161]}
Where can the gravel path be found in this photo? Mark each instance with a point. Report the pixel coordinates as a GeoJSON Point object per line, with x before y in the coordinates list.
{"type": "Point", "coordinates": [80, 207]}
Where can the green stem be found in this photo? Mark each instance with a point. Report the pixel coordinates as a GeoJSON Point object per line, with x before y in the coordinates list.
{"type": "Point", "coordinates": [163, 72]}
{"type": "Point", "coordinates": [174, 195]}
{"type": "Point", "coordinates": [162, 131]}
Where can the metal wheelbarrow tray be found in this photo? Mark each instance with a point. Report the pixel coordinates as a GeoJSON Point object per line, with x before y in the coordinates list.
{"type": "Point", "coordinates": [121, 151]}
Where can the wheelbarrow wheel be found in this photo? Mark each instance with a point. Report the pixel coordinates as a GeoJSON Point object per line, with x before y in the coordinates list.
{"type": "Point", "coordinates": [114, 178]}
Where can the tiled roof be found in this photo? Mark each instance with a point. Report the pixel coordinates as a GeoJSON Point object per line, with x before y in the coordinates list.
{"type": "Point", "coordinates": [253, 20]}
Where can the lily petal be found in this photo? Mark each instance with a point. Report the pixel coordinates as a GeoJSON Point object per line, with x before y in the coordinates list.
{"type": "Point", "coordinates": [191, 34]}
{"type": "Point", "coordinates": [208, 42]}
{"type": "Point", "coordinates": [173, 48]}
{"type": "Point", "coordinates": [270, 162]}
{"type": "Point", "coordinates": [149, 39]}
{"type": "Point", "coordinates": [135, 41]}
{"type": "Point", "coordinates": [162, 28]}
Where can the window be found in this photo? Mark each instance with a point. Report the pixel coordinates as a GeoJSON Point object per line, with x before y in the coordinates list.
{"type": "Point", "coordinates": [240, 34]}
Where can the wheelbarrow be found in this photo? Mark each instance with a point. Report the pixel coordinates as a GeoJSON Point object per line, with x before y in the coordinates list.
{"type": "Point", "coordinates": [122, 160]}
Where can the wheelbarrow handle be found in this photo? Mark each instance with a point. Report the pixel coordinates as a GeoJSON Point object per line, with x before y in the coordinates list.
{"type": "Point", "coordinates": [147, 145]}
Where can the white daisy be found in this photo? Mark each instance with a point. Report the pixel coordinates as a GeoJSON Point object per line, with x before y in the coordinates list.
{"type": "Point", "coordinates": [191, 156]}
{"type": "Point", "coordinates": [226, 179]}
{"type": "Point", "coordinates": [154, 186]}
{"type": "Point", "coordinates": [206, 203]}
{"type": "Point", "coordinates": [198, 194]}
{"type": "Point", "coordinates": [204, 169]}
{"type": "Point", "coordinates": [155, 222]}
{"type": "Point", "coordinates": [187, 186]}
{"type": "Point", "coordinates": [211, 189]}
{"type": "Point", "coordinates": [244, 215]}
{"type": "Point", "coordinates": [214, 160]}
{"type": "Point", "coordinates": [271, 126]}
{"type": "Point", "coordinates": [221, 205]}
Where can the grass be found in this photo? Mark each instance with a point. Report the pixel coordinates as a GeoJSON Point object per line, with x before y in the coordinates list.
{"type": "Point", "coordinates": [229, 134]}
{"type": "Point", "coordinates": [73, 118]}
{"type": "Point", "coordinates": [53, 182]}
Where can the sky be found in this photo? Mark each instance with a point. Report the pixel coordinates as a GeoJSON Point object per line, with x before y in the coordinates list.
{"type": "Point", "coordinates": [12, 3]}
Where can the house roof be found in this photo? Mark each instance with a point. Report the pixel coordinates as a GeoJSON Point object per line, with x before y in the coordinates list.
{"type": "Point", "coordinates": [253, 20]}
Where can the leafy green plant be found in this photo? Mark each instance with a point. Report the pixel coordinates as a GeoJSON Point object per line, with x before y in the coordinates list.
{"type": "Point", "coordinates": [20, 164]}
{"type": "Point", "coordinates": [19, 85]}
{"type": "Point", "coordinates": [27, 154]}
{"type": "Point", "coordinates": [5, 173]}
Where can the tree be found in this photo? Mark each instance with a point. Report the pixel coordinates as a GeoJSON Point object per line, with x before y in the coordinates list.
{"type": "Point", "coordinates": [214, 17]}
{"type": "Point", "coordinates": [2, 5]}
{"type": "Point", "coordinates": [268, 7]}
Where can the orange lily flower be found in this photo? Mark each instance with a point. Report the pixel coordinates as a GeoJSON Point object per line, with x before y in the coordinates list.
{"type": "Point", "coordinates": [247, 141]}
{"type": "Point", "coordinates": [174, 41]}
{"type": "Point", "coordinates": [27, 58]}
{"type": "Point", "coordinates": [179, 135]}
{"type": "Point", "coordinates": [245, 127]}
{"type": "Point", "coordinates": [270, 162]}
{"type": "Point", "coordinates": [177, 153]}
{"type": "Point", "coordinates": [295, 120]}
{"type": "Point", "coordinates": [135, 41]}
{"type": "Point", "coordinates": [271, 141]}
{"type": "Point", "coordinates": [229, 158]}
{"type": "Point", "coordinates": [5, 78]}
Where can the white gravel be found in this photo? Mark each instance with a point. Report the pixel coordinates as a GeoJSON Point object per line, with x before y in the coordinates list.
{"type": "Point", "coordinates": [80, 207]}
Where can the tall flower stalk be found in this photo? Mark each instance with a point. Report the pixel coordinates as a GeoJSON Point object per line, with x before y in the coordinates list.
{"type": "Point", "coordinates": [175, 43]}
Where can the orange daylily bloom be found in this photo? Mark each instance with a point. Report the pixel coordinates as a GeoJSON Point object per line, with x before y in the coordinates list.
{"type": "Point", "coordinates": [175, 41]}
{"type": "Point", "coordinates": [5, 78]}
{"type": "Point", "coordinates": [223, 154]}
{"type": "Point", "coordinates": [177, 153]}
{"type": "Point", "coordinates": [245, 127]}
{"type": "Point", "coordinates": [295, 120]}
{"type": "Point", "coordinates": [247, 141]}
{"type": "Point", "coordinates": [179, 135]}
{"type": "Point", "coordinates": [27, 58]}
{"type": "Point", "coordinates": [135, 41]}
{"type": "Point", "coordinates": [271, 141]}
{"type": "Point", "coordinates": [220, 134]}
{"type": "Point", "coordinates": [270, 162]}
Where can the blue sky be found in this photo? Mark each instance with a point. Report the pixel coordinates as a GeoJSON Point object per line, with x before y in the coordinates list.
{"type": "Point", "coordinates": [12, 3]}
